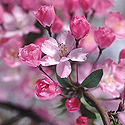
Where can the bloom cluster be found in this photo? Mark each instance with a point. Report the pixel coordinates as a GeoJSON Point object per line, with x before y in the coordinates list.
{"type": "Point", "coordinates": [52, 51]}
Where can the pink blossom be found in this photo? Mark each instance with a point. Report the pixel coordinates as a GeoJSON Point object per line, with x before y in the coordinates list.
{"type": "Point", "coordinates": [57, 25]}
{"type": "Point", "coordinates": [122, 54]}
{"type": "Point", "coordinates": [88, 42]}
{"type": "Point", "coordinates": [103, 37]}
{"type": "Point", "coordinates": [119, 70]}
{"type": "Point", "coordinates": [30, 54]}
{"type": "Point", "coordinates": [121, 117]}
{"type": "Point", "coordinates": [45, 15]}
{"type": "Point", "coordinates": [123, 94]}
{"type": "Point", "coordinates": [1, 13]}
{"type": "Point", "coordinates": [108, 82]}
{"type": "Point", "coordinates": [71, 5]}
{"type": "Point", "coordinates": [79, 27]}
{"type": "Point", "coordinates": [86, 4]}
{"type": "Point", "coordinates": [73, 105]}
{"type": "Point", "coordinates": [28, 4]}
{"type": "Point", "coordinates": [46, 89]}
{"type": "Point", "coordinates": [116, 23]}
{"type": "Point", "coordinates": [102, 6]}
{"type": "Point", "coordinates": [58, 53]}
{"type": "Point", "coordinates": [82, 120]}
{"type": "Point", "coordinates": [19, 22]}
{"type": "Point", "coordinates": [9, 52]}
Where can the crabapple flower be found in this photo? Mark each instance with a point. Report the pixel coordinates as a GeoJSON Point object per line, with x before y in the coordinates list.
{"type": "Point", "coordinates": [102, 6]}
{"type": "Point", "coordinates": [116, 23]}
{"type": "Point", "coordinates": [57, 25]}
{"type": "Point", "coordinates": [58, 53]}
{"type": "Point", "coordinates": [86, 4]}
{"type": "Point", "coordinates": [30, 55]}
{"type": "Point", "coordinates": [103, 37]}
{"type": "Point", "coordinates": [108, 82]}
{"type": "Point", "coordinates": [119, 70]}
{"type": "Point", "coordinates": [79, 27]}
{"type": "Point", "coordinates": [19, 22]}
{"type": "Point", "coordinates": [82, 120]}
{"type": "Point", "coordinates": [73, 105]}
{"type": "Point", "coordinates": [45, 15]}
{"type": "Point", "coordinates": [9, 52]}
{"type": "Point", "coordinates": [46, 89]}
{"type": "Point", "coordinates": [71, 5]}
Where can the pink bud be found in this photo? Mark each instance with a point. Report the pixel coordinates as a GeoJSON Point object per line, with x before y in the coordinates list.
{"type": "Point", "coordinates": [82, 120]}
{"type": "Point", "coordinates": [122, 54]}
{"type": "Point", "coordinates": [73, 105]}
{"type": "Point", "coordinates": [71, 5]}
{"type": "Point", "coordinates": [40, 41]}
{"type": "Point", "coordinates": [86, 4]}
{"type": "Point", "coordinates": [45, 15]}
{"type": "Point", "coordinates": [57, 25]}
{"type": "Point", "coordinates": [46, 89]}
{"type": "Point", "coordinates": [79, 27]}
{"type": "Point", "coordinates": [103, 37]}
{"type": "Point", "coordinates": [30, 55]}
{"type": "Point", "coordinates": [27, 4]}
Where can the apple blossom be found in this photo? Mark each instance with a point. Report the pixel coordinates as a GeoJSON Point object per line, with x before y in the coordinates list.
{"type": "Point", "coordinates": [116, 23]}
{"type": "Point", "coordinates": [82, 120]}
{"type": "Point", "coordinates": [102, 6]}
{"type": "Point", "coordinates": [46, 89]}
{"type": "Point", "coordinates": [73, 105]}
{"type": "Point", "coordinates": [108, 82]}
{"type": "Point", "coordinates": [57, 25]}
{"type": "Point", "coordinates": [58, 53]}
{"type": "Point", "coordinates": [30, 55]}
{"type": "Point", "coordinates": [45, 15]}
{"type": "Point", "coordinates": [79, 27]}
{"type": "Point", "coordinates": [103, 37]}
{"type": "Point", "coordinates": [86, 4]}
{"type": "Point", "coordinates": [9, 52]}
{"type": "Point", "coordinates": [19, 22]}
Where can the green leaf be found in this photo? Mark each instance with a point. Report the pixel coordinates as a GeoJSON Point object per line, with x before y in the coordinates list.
{"type": "Point", "coordinates": [93, 79]}
{"type": "Point", "coordinates": [64, 82]}
{"type": "Point", "coordinates": [87, 113]}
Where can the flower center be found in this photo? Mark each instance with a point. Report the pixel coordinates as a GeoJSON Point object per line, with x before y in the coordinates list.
{"type": "Point", "coordinates": [62, 49]}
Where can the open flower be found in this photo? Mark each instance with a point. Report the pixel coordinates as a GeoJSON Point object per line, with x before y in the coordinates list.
{"type": "Point", "coordinates": [46, 89]}
{"type": "Point", "coordinates": [58, 53]}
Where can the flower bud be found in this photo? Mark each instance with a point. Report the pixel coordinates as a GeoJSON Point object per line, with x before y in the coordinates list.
{"type": "Point", "coordinates": [79, 27]}
{"type": "Point", "coordinates": [46, 89]}
{"type": "Point", "coordinates": [86, 4]}
{"type": "Point", "coordinates": [45, 15]}
{"type": "Point", "coordinates": [30, 55]}
{"type": "Point", "coordinates": [82, 120]}
{"type": "Point", "coordinates": [103, 37]}
{"type": "Point", "coordinates": [73, 105]}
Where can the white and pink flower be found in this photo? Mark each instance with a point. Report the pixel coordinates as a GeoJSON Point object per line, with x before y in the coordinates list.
{"type": "Point", "coordinates": [58, 53]}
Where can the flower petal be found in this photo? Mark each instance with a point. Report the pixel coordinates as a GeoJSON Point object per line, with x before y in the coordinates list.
{"type": "Point", "coordinates": [78, 54]}
{"type": "Point", "coordinates": [49, 46]}
{"type": "Point", "coordinates": [63, 69]}
{"type": "Point", "coordinates": [48, 60]}
{"type": "Point", "coordinates": [67, 39]}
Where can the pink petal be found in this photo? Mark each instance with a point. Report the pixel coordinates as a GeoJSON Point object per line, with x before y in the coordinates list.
{"type": "Point", "coordinates": [63, 69]}
{"type": "Point", "coordinates": [48, 60]}
{"type": "Point", "coordinates": [78, 54]}
{"type": "Point", "coordinates": [49, 46]}
{"type": "Point", "coordinates": [67, 39]}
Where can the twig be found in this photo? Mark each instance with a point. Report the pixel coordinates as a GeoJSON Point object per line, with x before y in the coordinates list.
{"type": "Point", "coordinates": [98, 106]}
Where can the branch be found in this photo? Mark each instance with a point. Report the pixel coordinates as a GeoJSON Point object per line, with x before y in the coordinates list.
{"type": "Point", "coordinates": [98, 106]}
{"type": "Point", "coordinates": [23, 112]}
